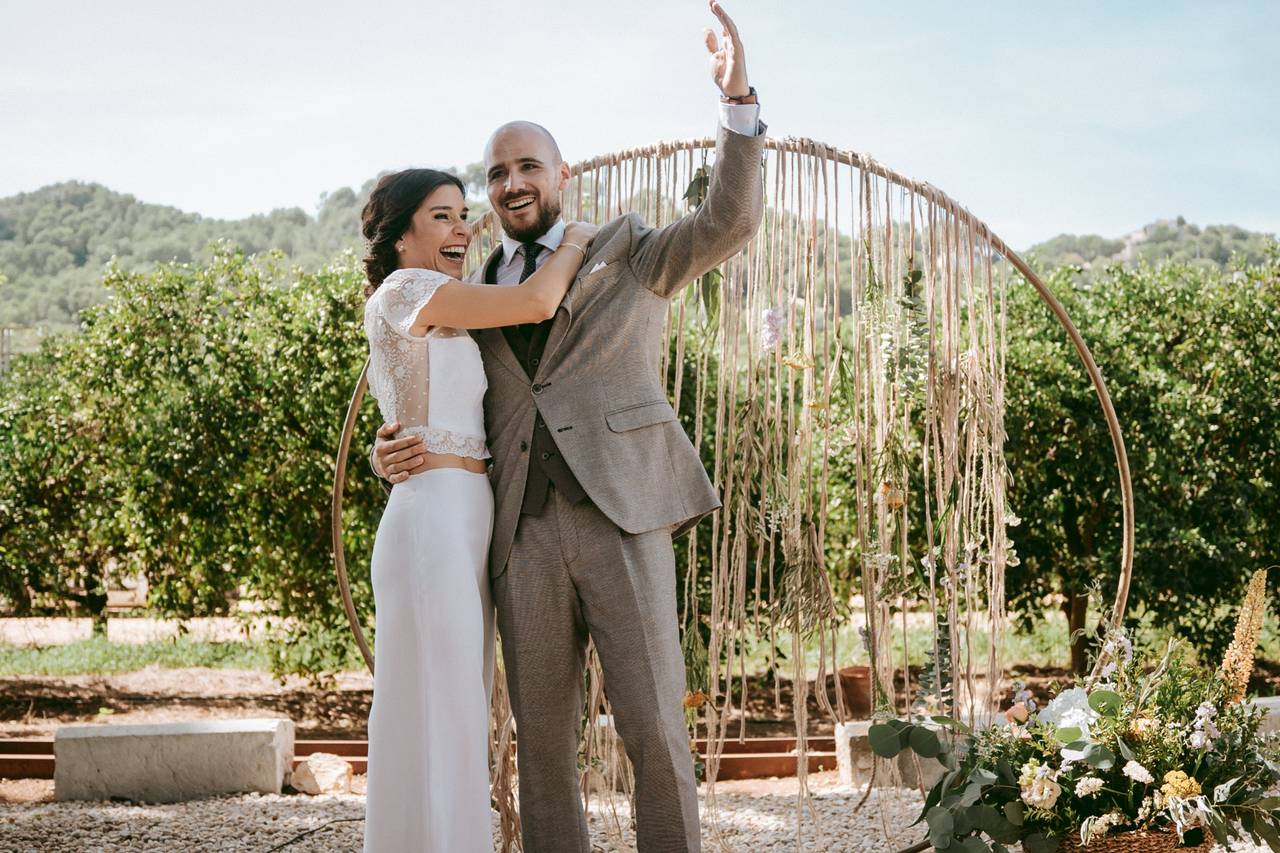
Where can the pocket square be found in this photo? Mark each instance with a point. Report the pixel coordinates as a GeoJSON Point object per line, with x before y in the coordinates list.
{"type": "Point", "coordinates": [598, 267]}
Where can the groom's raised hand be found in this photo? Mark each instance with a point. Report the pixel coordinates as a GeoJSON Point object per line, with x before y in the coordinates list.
{"type": "Point", "coordinates": [728, 60]}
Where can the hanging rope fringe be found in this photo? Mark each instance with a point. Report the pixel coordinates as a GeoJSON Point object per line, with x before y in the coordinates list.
{"type": "Point", "coordinates": [861, 334]}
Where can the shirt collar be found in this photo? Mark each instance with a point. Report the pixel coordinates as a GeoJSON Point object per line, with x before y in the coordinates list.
{"type": "Point", "coordinates": [551, 241]}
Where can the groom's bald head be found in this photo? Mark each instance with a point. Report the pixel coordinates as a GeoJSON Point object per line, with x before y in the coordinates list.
{"type": "Point", "coordinates": [524, 174]}
{"type": "Point", "coordinates": [526, 133]}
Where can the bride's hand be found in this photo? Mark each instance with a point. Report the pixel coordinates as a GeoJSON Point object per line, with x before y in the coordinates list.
{"type": "Point", "coordinates": [728, 61]}
{"type": "Point", "coordinates": [580, 234]}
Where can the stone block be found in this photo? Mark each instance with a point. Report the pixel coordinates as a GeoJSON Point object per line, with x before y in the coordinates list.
{"type": "Point", "coordinates": [170, 762]}
{"type": "Point", "coordinates": [1271, 722]}
{"type": "Point", "coordinates": [854, 760]}
{"type": "Point", "coordinates": [323, 773]}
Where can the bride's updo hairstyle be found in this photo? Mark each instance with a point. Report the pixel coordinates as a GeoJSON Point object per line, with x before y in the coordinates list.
{"type": "Point", "coordinates": [389, 212]}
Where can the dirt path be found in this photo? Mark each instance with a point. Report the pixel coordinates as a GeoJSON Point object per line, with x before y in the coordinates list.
{"type": "Point", "coordinates": [33, 706]}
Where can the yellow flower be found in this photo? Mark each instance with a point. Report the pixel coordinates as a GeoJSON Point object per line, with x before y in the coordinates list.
{"type": "Point", "coordinates": [1179, 784]}
{"type": "Point", "coordinates": [1237, 665]}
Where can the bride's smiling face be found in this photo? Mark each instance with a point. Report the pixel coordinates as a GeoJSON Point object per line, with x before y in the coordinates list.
{"type": "Point", "coordinates": [438, 236]}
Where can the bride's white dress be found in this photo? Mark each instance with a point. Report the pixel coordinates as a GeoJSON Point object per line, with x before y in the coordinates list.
{"type": "Point", "coordinates": [428, 728]}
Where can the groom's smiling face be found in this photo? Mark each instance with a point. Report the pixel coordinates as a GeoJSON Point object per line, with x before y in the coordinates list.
{"type": "Point", "coordinates": [525, 175]}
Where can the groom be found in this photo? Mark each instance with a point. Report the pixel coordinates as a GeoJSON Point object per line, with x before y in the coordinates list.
{"type": "Point", "coordinates": [592, 474]}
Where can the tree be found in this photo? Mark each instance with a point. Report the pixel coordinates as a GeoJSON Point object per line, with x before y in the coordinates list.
{"type": "Point", "coordinates": [189, 433]}
{"type": "Point", "coordinates": [1192, 359]}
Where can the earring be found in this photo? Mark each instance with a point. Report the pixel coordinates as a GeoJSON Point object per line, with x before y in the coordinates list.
{"type": "Point", "coordinates": [400, 247]}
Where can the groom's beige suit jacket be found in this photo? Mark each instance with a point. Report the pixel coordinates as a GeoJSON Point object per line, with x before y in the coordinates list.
{"type": "Point", "coordinates": [598, 385]}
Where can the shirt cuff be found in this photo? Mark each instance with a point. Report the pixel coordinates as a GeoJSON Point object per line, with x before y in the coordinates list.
{"type": "Point", "coordinates": [742, 119]}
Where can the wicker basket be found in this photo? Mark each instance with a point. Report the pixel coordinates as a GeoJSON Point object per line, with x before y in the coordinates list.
{"type": "Point", "coordinates": [1134, 842]}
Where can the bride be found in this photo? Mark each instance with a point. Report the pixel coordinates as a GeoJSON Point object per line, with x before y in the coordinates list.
{"type": "Point", "coordinates": [428, 727]}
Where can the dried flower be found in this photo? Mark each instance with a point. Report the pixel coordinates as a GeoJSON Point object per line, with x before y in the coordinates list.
{"type": "Point", "coordinates": [1142, 725]}
{"type": "Point", "coordinates": [694, 700]}
{"type": "Point", "coordinates": [1237, 665]}
{"type": "Point", "coordinates": [1138, 773]}
{"type": "Point", "coordinates": [1180, 785]}
{"type": "Point", "coordinates": [770, 329]}
{"type": "Point", "coordinates": [1096, 827]}
{"type": "Point", "coordinates": [799, 361]}
{"type": "Point", "coordinates": [890, 496]}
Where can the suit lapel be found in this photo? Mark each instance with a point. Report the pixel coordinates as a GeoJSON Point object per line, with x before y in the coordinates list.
{"type": "Point", "coordinates": [560, 325]}
{"type": "Point", "coordinates": [610, 252]}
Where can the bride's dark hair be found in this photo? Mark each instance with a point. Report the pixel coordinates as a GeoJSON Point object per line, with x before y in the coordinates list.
{"type": "Point", "coordinates": [389, 212]}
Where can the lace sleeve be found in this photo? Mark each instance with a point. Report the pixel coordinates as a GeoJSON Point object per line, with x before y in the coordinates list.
{"type": "Point", "coordinates": [405, 293]}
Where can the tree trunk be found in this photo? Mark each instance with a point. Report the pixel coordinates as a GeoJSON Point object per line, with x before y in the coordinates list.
{"type": "Point", "coordinates": [1076, 607]}
{"type": "Point", "coordinates": [95, 600]}
{"type": "Point", "coordinates": [1079, 526]}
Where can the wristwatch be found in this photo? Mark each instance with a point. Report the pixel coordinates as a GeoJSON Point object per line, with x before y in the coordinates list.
{"type": "Point", "coordinates": [739, 99]}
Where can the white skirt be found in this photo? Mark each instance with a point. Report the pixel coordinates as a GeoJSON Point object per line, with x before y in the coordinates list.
{"type": "Point", "coordinates": [429, 724]}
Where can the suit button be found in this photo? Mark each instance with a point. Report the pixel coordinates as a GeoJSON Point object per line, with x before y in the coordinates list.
{"type": "Point", "coordinates": [535, 362]}
{"type": "Point", "coordinates": [537, 388]}
{"type": "Point", "coordinates": [524, 445]}
{"type": "Point", "coordinates": [546, 456]}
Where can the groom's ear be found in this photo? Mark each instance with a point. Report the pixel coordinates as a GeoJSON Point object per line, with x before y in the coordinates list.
{"type": "Point", "coordinates": [564, 175]}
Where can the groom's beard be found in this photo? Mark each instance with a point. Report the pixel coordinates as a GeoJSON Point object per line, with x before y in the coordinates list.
{"type": "Point", "coordinates": [548, 215]}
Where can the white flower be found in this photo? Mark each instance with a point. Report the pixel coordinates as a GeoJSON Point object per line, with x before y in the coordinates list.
{"type": "Point", "coordinates": [1070, 708]}
{"type": "Point", "coordinates": [1206, 731]}
{"type": "Point", "coordinates": [1042, 793]}
{"type": "Point", "coordinates": [1118, 641]}
{"type": "Point", "coordinates": [1089, 786]}
{"type": "Point", "coordinates": [1138, 773]}
{"type": "Point", "coordinates": [1032, 771]}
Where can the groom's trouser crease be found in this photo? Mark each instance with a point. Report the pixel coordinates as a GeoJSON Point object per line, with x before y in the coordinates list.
{"type": "Point", "coordinates": [572, 571]}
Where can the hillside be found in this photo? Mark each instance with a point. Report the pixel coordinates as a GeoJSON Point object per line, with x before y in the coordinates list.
{"type": "Point", "coordinates": [1162, 240]}
{"type": "Point", "coordinates": [56, 241]}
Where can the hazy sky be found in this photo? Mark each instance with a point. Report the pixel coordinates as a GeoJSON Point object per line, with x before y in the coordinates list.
{"type": "Point", "coordinates": [1041, 118]}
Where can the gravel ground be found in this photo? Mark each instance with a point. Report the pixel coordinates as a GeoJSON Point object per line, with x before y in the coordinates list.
{"type": "Point", "coordinates": [756, 817]}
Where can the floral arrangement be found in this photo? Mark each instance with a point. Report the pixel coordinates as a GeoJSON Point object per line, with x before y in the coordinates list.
{"type": "Point", "coordinates": [1156, 745]}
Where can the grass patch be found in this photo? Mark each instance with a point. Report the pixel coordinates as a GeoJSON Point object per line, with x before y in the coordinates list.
{"type": "Point", "coordinates": [1045, 646]}
{"type": "Point", "coordinates": [99, 656]}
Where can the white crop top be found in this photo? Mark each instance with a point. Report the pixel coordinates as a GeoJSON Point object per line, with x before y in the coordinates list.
{"type": "Point", "coordinates": [433, 385]}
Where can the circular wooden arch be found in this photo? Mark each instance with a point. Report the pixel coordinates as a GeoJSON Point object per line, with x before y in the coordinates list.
{"type": "Point", "coordinates": [866, 164]}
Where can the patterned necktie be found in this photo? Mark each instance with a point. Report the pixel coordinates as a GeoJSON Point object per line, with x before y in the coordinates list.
{"type": "Point", "coordinates": [531, 251]}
